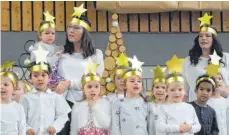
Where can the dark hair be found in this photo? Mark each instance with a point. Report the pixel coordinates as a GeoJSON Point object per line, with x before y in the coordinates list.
{"type": "Point", "coordinates": [196, 50]}
{"type": "Point", "coordinates": [34, 63]}
{"type": "Point", "coordinates": [205, 75]}
{"type": "Point", "coordinates": [87, 43]}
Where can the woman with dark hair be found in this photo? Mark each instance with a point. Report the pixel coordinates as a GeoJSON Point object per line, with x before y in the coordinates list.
{"type": "Point", "coordinates": [199, 58]}
{"type": "Point", "coordinates": [72, 63]}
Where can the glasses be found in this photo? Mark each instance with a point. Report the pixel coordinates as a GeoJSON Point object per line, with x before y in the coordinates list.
{"type": "Point", "coordinates": [74, 27]}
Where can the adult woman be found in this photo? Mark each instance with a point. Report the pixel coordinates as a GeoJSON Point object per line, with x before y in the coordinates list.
{"type": "Point", "coordinates": [199, 57]}
{"type": "Point", "coordinates": [72, 63]}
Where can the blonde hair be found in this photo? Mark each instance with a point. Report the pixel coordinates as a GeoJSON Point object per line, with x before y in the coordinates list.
{"type": "Point", "coordinates": [12, 76]}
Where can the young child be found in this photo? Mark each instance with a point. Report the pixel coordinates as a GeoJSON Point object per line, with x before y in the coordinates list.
{"type": "Point", "coordinates": [176, 117]}
{"type": "Point", "coordinates": [205, 87]}
{"type": "Point", "coordinates": [46, 111]}
{"type": "Point", "coordinates": [224, 91]}
{"type": "Point", "coordinates": [91, 116]}
{"type": "Point", "coordinates": [12, 120]}
{"type": "Point", "coordinates": [123, 64]}
{"type": "Point", "coordinates": [132, 115]}
{"type": "Point", "coordinates": [22, 88]}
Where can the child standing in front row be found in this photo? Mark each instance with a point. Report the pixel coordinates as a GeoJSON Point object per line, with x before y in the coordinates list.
{"type": "Point", "coordinates": [22, 88]}
{"type": "Point", "coordinates": [205, 87]}
{"type": "Point", "coordinates": [46, 111]}
{"type": "Point", "coordinates": [132, 115]}
{"type": "Point", "coordinates": [176, 117]}
{"type": "Point", "coordinates": [12, 114]}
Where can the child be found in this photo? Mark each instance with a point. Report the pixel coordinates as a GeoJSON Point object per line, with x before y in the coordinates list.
{"type": "Point", "coordinates": [224, 91]}
{"type": "Point", "coordinates": [170, 120]}
{"type": "Point", "coordinates": [46, 111]}
{"type": "Point", "coordinates": [132, 115]}
{"type": "Point", "coordinates": [91, 116]}
{"type": "Point", "coordinates": [22, 88]}
{"type": "Point", "coordinates": [122, 62]}
{"type": "Point", "coordinates": [205, 87]}
{"type": "Point", "coordinates": [221, 107]}
{"type": "Point", "coordinates": [12, 114]}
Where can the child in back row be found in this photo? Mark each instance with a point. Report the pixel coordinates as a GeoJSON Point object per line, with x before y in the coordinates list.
{"type": "Point", "coordinates": [22, 88]}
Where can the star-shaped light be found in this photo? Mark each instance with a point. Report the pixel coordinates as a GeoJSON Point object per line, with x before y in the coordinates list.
{"type": "Point", "coordinates": [41, 55]}
{"type": "Point", "coordinates": [175, 64]}
{"type": "Point", "coordinates": [49, 17]}
{"type": "Point", "coordinates": [78, 11]}
{"type": "Point", "coordinates": [7, 65]}
{"type": "Point", "coordinates": [212, 69]}
{"type": "Point", "coordinates": [122, 60]}
{"type": "Point", "coordinates": [215, 58]}
{"type": "Point", "coordinates": [91, 67]}
{"type": "Point", "coordinates": [135, 63]}
{"type": "Point", "coordinates": [158, 72]}
{"type": "Point", "coordinates": [205, 19]}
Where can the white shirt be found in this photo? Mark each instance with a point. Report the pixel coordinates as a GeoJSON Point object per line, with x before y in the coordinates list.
{"type": "Point", "coordinates": [171, 116]}
{"type": "Point", "coordinates": [101, 114]}
{"type": "Point", "coordinates": [12, 119]}
{"type": "Point", "coordinates": [156, 109]}
{"type": "Point", "coordinates": [114, 97]}
{"type": "Point", "coordinates": [220, 105]}
{"type": "Point", "coordinates": [192, 72]}
{"type": "Point", "coordinates": [43, 110]}
{"type": "Point", "coordinates": [72, 67]}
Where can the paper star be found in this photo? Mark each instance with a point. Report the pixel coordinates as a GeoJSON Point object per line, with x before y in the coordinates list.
{"type": "Point", "coordinates": [158, 72]}
{"type": "Point", "coordinates": [212, 69]}
{"type": "Point", "coordinates": [78, 11]}
{"type": "Point", "coordinates": [41, 55]}
{"type": "Point", "coordinates": [91, 67]}
{"type": "Point", "coordinates": [135, 63]}
{"type": "Point", "coordinates": [215, 58]}
{"type": "Point", "coordinates": [7, 65]}
{"type": "Point", "coordinates": [49, 17]}
{"type": "Point", "coordinates": [175, 64]}
{"type": "Point", "coordinates": [205, 19]}
{"type": "Point", "coordinates": [122, 60]}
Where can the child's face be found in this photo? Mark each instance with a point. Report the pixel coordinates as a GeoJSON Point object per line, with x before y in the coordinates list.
{"type": "Point", "coordinates": [92, 89]}
{"type": "Point", "coordinates": [40, 80]}
{"type": "Point", "coordinates": [204, 92]}
{"type": "Point", "coordinates": [48, 35]}
{"type": "Point", "coordinates": [159, 90]}
{"type": "Point", "coordinates": [19, 91]}
{"type": "Point", "coordinates": [7, 88]}
{"type": "Point", "coordinates": [134, 85]}
{"type": "Point", "coordinates": [176, 92]}
{"type": "Point", "coordinates": [119, 83]}
{"type": "Point", "coordinates": [219, 80]}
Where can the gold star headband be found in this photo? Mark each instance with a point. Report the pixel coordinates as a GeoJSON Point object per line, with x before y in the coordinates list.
{"type": "Point", "coordinates": [205, 20]}
{"type": "Point", "coordinates": [50, 22]}
{"type": "Point", "coordinates": [7, 65]}
{"type": "Point", "coordinates": [78, 11]}
{"type": "Point", "coordinates": [90, 73]}
{"type": "Point", "coordinates": [136, 68]}
{"type": "Point", "coordinates": [11, 76]}
{"type": "Point", "coordinates": [158, 75]}
{"type": "Point", "coordinates": [174, 66]}
{"type": "Point", "coordinates": [122, 61]}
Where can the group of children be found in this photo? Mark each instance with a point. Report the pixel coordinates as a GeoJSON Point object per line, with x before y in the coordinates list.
{"type": "Point", "coordinates": [41, 111]}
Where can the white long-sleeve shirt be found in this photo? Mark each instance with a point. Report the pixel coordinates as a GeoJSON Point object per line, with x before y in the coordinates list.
{"type": "Point", "coordinates": [113, 97]}
{"type": "Point", "coordinates": [43, 110]}
{"type": "Point", "coordinates": [192, 72]}
{"type": "Point", "coordinates": [156, 109]}
{"type": "Point", "coordinates": [221, 107]}
{"type": "Point", "coordinates": [12, 119]}
{"type": "Point", "coordinates": [171, 116]}
{"type": "Point", "coordinates": [72, 67]}
{"type": "Point", "coordinates": [101, 114]}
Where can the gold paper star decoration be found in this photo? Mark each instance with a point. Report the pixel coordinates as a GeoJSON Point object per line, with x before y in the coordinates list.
{"type": "Point", "coordinates": [78, 11]}
{"type": "Point", "coordinates": [175, 64]}
{"type": "Point", "coordinates": [7, 65]}
{"type": "Point", "coordinates": [136, 64]}
{"type": "Point", "coordinates": [91, 67]}
{"type": "Point", "coordinates": [212, 69]}
{"type": "Point", "coordinates": [215, 58]}
{"type": "Point", "coordinates": [158, 72]}
{"type": "Point", "coordinates": [205, 19]}
{"type": "Point", "coordinates": [49, 17]}
{"type": "Point", "coordinates": [122, 60]}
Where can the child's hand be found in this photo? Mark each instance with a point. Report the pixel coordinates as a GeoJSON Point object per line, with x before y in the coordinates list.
{"type": "Point", "coordinates": [91, 102]}
{"type": "Point", "coordinates": [51, 130]}
{"type": "Point", "coordinates": [183, 128]}
{"type": "Point", "coordinates": [61, 86]}
{"type": "Point", "coordinates": [189, 127]}
{"type": "Point", "coordinates": [30, 132]}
